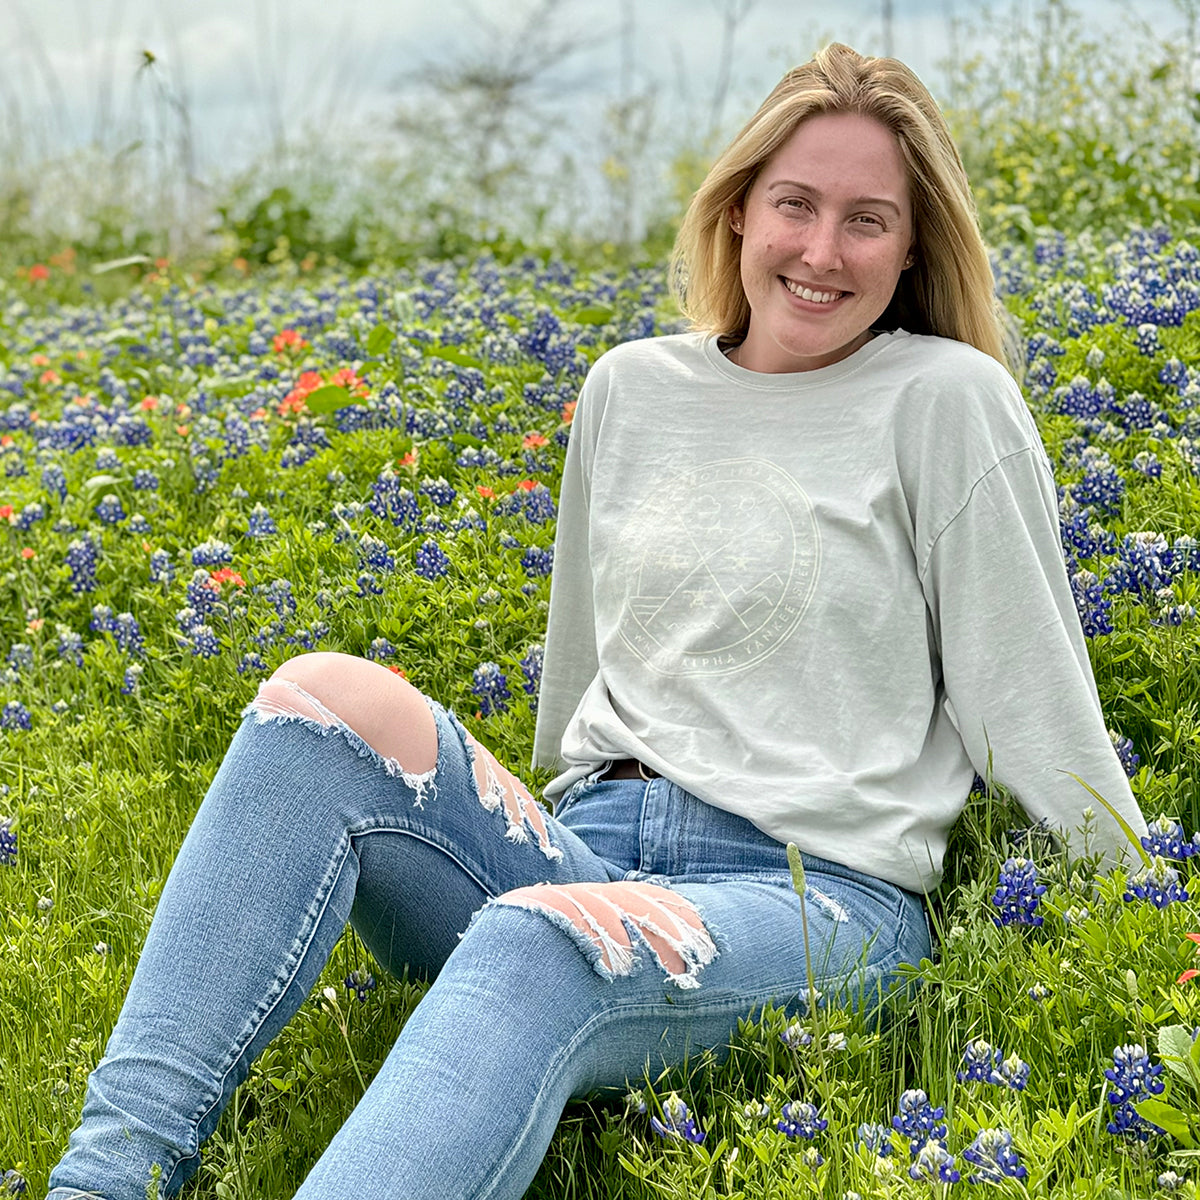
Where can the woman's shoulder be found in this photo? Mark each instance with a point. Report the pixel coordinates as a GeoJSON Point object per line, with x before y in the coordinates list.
{"type": "Point", "coordinates": [643, 353]}
{"type": "Point", "coordinates": [934, 359]}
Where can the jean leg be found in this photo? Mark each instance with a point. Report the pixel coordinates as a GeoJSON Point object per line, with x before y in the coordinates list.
{"type": "Point", "coordinates": [292, 832]}
{"type": "Point", "coordinates": [521, 1019]}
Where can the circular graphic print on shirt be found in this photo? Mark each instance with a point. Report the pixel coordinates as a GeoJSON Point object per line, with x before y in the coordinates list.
{"type": "Point", "coordinates": [729, 557]}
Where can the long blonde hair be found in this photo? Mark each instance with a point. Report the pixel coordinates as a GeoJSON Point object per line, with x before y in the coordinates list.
{"type": "Point", "coordinates": [948, 291]}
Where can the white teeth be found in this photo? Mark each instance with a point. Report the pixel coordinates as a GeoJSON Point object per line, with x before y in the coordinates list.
{"type": "Point", "coordinates": [806, 293]}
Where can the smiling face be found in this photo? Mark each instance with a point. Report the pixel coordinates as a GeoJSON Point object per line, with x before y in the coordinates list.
{"type": "Point", "coordinates": [826, 230]}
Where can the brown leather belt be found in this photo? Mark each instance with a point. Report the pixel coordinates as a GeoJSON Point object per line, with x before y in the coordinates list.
{"type": "Point", "coordinates": [629, 768]}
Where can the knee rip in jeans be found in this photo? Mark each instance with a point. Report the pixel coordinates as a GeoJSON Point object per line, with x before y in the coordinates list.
{"type": "Point", "coordinates": [282, 699]}
{"type": "Point", "coordinates": [603, 919]}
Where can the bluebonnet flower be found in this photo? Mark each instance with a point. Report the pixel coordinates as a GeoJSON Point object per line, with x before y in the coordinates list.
{"type": "Point", "coordinates": [70, 645]}
{"type": "Point", "coordinates": [875, 1138]}
{"type": "Point", "coordinates": [439, 491]}
{"type": "Point", "coordinates": [1101, 487]}
{"type": "Point", "coordinates": [374, 554]}
{"type": "Point", "coordinates": [8, 844]}
{"type": "Point", "coordinates": [308, 638]}
{"type": "Point", "coordinates": [368, 585]}
{"type": "Point", "coordinates": [82, 557]}
{"type": "Point", "coordinates": [1124, 748]}
{"type": "Point", "coordinates": [279, 594]}
{"type": "Point", "coordinates": [531, 668]}
{"type": "Point", "coordinates": [1146, 461]}
{"type": "Point", "coordinates": [538, 562]}
{"type": "Point", "coordinates": [107, 459]}
{"type": "Point", "coordinates": [379, 648]}
{"type": "Point", "coordinates": [491, 686]}
{"type": "Point", "coordinates": [796, 1036]}
{"type": "Point", "coordinates": [360, 985]}
{"type": "Point", "coordinates": [1158, 883]}
{"type": "Point", "coordinates": [1078, 398]}
{"type": "Point", "coordinates": [1091, 604]}
{"type": "Point", "coordinates": [1173, 374]}
{"type": "Point", "coordinates": [390, 500]}
{"type": "Point", "coordinates": [756, 1110]}
{"type": "Point", "coordinates": [133, 675]}
{"type": "Point", "coordinates": [1017, 893]}
{"type": "Point", "coordinates": [212, 553]}
{"type": "Point", "coordinates": [15, 716]}
{"type": "Point", "coordinates": [918, 1120]}
{"type": "Point", "coordinates": [1147, 340]}
{"type": "Point", "coordinates": [14, 1183]}
{"type": "Point", "coordinates": [261, 524]}
{"type": "Point", "coordinates": [1177, 614]}
{"type": "Point", "coordinates": [539, 505]}
{"type": "Point", "coordinates": [1040, 993]}
{"type": "Point", "coordinates": [934, 1163]}
{"type": "Point", "coordinates": [1145, 564]}
{"type": "Point", "coordinates": [1166, 839]}
{"type": "Point", "coordinates": [431, 560]}
{"type": "Point", "coordinates": [54, 480]}
{"type": "Point", "coordinates": [145, 481]}
{"type": "Point", "coordinates": [801, 1119]}
{"type": "Point", "coordinates": [139, 524]}
{"type": "Point", "coordinates": [202, 594]}
{"type": "Point", "coordinates": [992, 1152]}
{"type": "Point", "coordinates": [30, 515]}
{"type": "Point", "coordinates": [251, 661]}
{"type": "Point", "coordinates": [1169, 1181]}
{"type": "Point", "coordinates": [20, 655]}
{"type": "Point", "coordinates": [204, 642]}
{"type": "Point", "coordinates": [162, 569]}
{"type": "Point", "coordinates": [128, 634]}
{"type": "Point", "coordinates": [677, 1122]}
{"type": "Point", "coordinates": [983, 1063]}
{"type": "Point", "coordinates": [1133, 1078]}
{"type": "Point", "coordinates": [103, 620]}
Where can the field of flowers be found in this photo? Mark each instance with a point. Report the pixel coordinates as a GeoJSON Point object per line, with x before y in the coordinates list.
{"type": "Point", "coordinates": [201, 479]}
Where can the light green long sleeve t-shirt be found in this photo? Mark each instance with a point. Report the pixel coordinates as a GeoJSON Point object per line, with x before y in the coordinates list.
{"type": "Point", "coordinates": [822, 600]}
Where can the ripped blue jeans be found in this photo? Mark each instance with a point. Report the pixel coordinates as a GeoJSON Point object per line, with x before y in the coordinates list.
{"type": "Point", "coordinates": [549, 982]}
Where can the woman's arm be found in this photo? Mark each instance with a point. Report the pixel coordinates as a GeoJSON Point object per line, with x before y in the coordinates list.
{"type": "Point", "coordinates": [1018, 682]}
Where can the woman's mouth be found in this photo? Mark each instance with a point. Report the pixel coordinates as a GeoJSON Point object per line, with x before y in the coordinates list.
{"type": "Point", "coordinates": [812, 295]}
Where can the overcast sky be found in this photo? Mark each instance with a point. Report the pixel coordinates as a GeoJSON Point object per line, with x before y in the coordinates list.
{"type": "Point", "coordinates": [250, 70]}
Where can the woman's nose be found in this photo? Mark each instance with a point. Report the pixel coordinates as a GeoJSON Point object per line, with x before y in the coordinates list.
{"type": "Point", "coordinates": [822, 248]}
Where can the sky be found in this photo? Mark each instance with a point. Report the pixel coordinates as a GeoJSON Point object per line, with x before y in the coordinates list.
{"type": "Point", "coordinates": [243, 76]}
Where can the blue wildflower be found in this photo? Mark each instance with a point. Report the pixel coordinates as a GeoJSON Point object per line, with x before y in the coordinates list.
{"type": "Point", "coordinates": [431, 561]}
{"type": "Point", "coordinates": [368, 585]}
{"type": "Point", "coordinates": [984, 1063]}
{"type": "Point", "coordinates": [374, 554]}
{"type": "Point", "coordinates": [251, 661]}
{"type": "Point", "coordinates": [677, 1122]}
{"type": "Point", "coordinates": [538, 562]}
{"type": "Point", "coordinates": [992, 1152]}
{"type": "Point", "coordinates": [54, 480]}
{"type": "Point", "coordinates": [1145, 564]}
{"type": "Point", "coordinates": [203, 593]}
{"type": "Point", "coordinates": [14, 1183]}
{"type": "Point", "coordinates": [103, 620]}
{"type": "Point", "coordinates": [360, 985]}
{"type": "Point", "coordinates": [20, 656]}
{"type": "Point", "coordinates": [70, 645]}
{"type": "Point", "coordinates": [30, 515]}
{"type": "Point", "coordinates": [145, 481]}
{"type": "Point", "coordinates": [796, 1036]}
{"type": "Point", "coordinates": [1017, 893]}
{"type": "Point", "coordinates": [1133, 1078]}
{"type": "Point", "coordinates": [8, 844]}
{"type": "Point", "coordinates": [261, 524]}
{"type": "Point", "coordinates": [1166, 839]}
{"type": "Point", "coordinates": [491, 686]}
{"type": "Point", "coordinates": [1147, 340]}
{"type": "Point", "coordinates": [162, 569]}
{"type": "Point", "coordinates": [15, 716]}
{"type": "Point", "coordinates": [934, 1163]}
{"type": "Point", "coordinates": [133, 675]}
{"type": "Point", "coordinates": [531, 668]}
{"type": "Point", "coordinates": [128, 634]}
{"type": "Point", "coordinates": [1158, 883]}
{"type": "Point", "coordinates": [1091, 604]}
{"type": "Point", "coordinates": [279, 595]}
{"type": "Point", "coordinates": [212, 553]}
{"type": "Point", "coordinates": [82, 556]}
{"type": "Point", "coordinates": [380, 648]}
{"type": "Point", "coordinates": [801, 1119]}
{"type": "Point", "coordinates": [1124, 748]}
{"type": "Point", "coordinates": [204, 642]}
{"type": "Point", "coordinates": [109, 510]}
{"type": "Point", "coordinates": [918, 1120]}
{"type": "Point", "coordinates": [875, 1138]}
{"type": "Point", "coordinates": [1146, 461]}
{"type": "Point", "coordinates": [1101, 487]}
{"type": "Point", "coordinates": [439, 491]}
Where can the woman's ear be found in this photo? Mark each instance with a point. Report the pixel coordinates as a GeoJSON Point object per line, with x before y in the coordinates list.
{"type": "Point", "coordinates": [736, 215]}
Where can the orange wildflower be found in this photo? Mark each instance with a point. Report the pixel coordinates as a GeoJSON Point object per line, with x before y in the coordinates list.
{"type": "Point", "coordinates": [408, 460]}
{"type": "Point", "coordinates": [533, 440]}
{"type": "Point", "coordinates": [287, 339]}
{"type": "Point", "coordinates": [1191, 972]}
{"type": "Point", "coordinates": [40, 360]}
{"type": "Point", "coordinates": [28, 552]}
{"type": "Point", "coordinates": [226, 575]}
{"type": "Point", "coordinates": [6, 512]}
{"type": "Point", "coordinates": [6, 440]}
{"type": "Point", "coordinates": [35, 624]}
{"type": "Point", "coordinates": [350, 381]}
{"type": "Point", "coordinates": [569, 411]}
{"type": "Point", "coordinates": [527, 485]}
{"type": "Point", "coordinates": [39, 272]}
{"type": "Point", "coordinates": [50, 376]}
{"type": "Point", "coordinates": [485, 492]}
{"type": "Point", "coordinates": [149, 403]}
{"type": "Point", "coordinates": [397, 671]}
{"type": "Point", "coordinates": [183, 430]}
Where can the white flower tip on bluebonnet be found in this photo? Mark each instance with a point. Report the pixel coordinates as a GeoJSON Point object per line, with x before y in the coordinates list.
{"type": "Point", "coordinates": [836, 1041]}
{"type": "Point", "coordinates": [101, 948]}
{"type": "Point", "coordinates": [756, 1110]}
{"type": "Point", "coordinates": [45, 904]}
{"type": "Point", "coordinates": [674, 1109]}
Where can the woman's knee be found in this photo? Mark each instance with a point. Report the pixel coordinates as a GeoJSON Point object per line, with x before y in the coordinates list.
{"type": "Point", "coordinates": [384, 710]}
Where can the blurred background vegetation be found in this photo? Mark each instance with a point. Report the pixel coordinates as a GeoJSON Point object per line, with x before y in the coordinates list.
{"type": "Point", "coordinates": [1060, 124]}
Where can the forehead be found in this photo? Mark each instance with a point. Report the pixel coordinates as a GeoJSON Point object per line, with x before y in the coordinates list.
{"type": "Point", "coordinates": [845, 150]}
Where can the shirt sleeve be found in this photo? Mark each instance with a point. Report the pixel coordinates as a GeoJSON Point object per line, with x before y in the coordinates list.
{"type": "Point", "coordinates": [1018, 683]}
{"type": "Point", "coordinates": [570, 661]}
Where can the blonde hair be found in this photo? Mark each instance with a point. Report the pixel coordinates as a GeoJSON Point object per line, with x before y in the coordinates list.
{"type": "Point", "coordinates": [948, 291]}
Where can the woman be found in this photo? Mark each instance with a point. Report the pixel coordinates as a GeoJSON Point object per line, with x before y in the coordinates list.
{"type": "Point", "coordinates": [808, 582]}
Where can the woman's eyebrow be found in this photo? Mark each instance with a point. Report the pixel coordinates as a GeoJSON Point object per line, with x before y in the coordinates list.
{"type": "Point", "coordinates": [818, 195]}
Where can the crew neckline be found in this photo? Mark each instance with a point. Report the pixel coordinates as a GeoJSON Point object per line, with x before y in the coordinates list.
{"type": "Point", "coordinates": [790, 381]}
